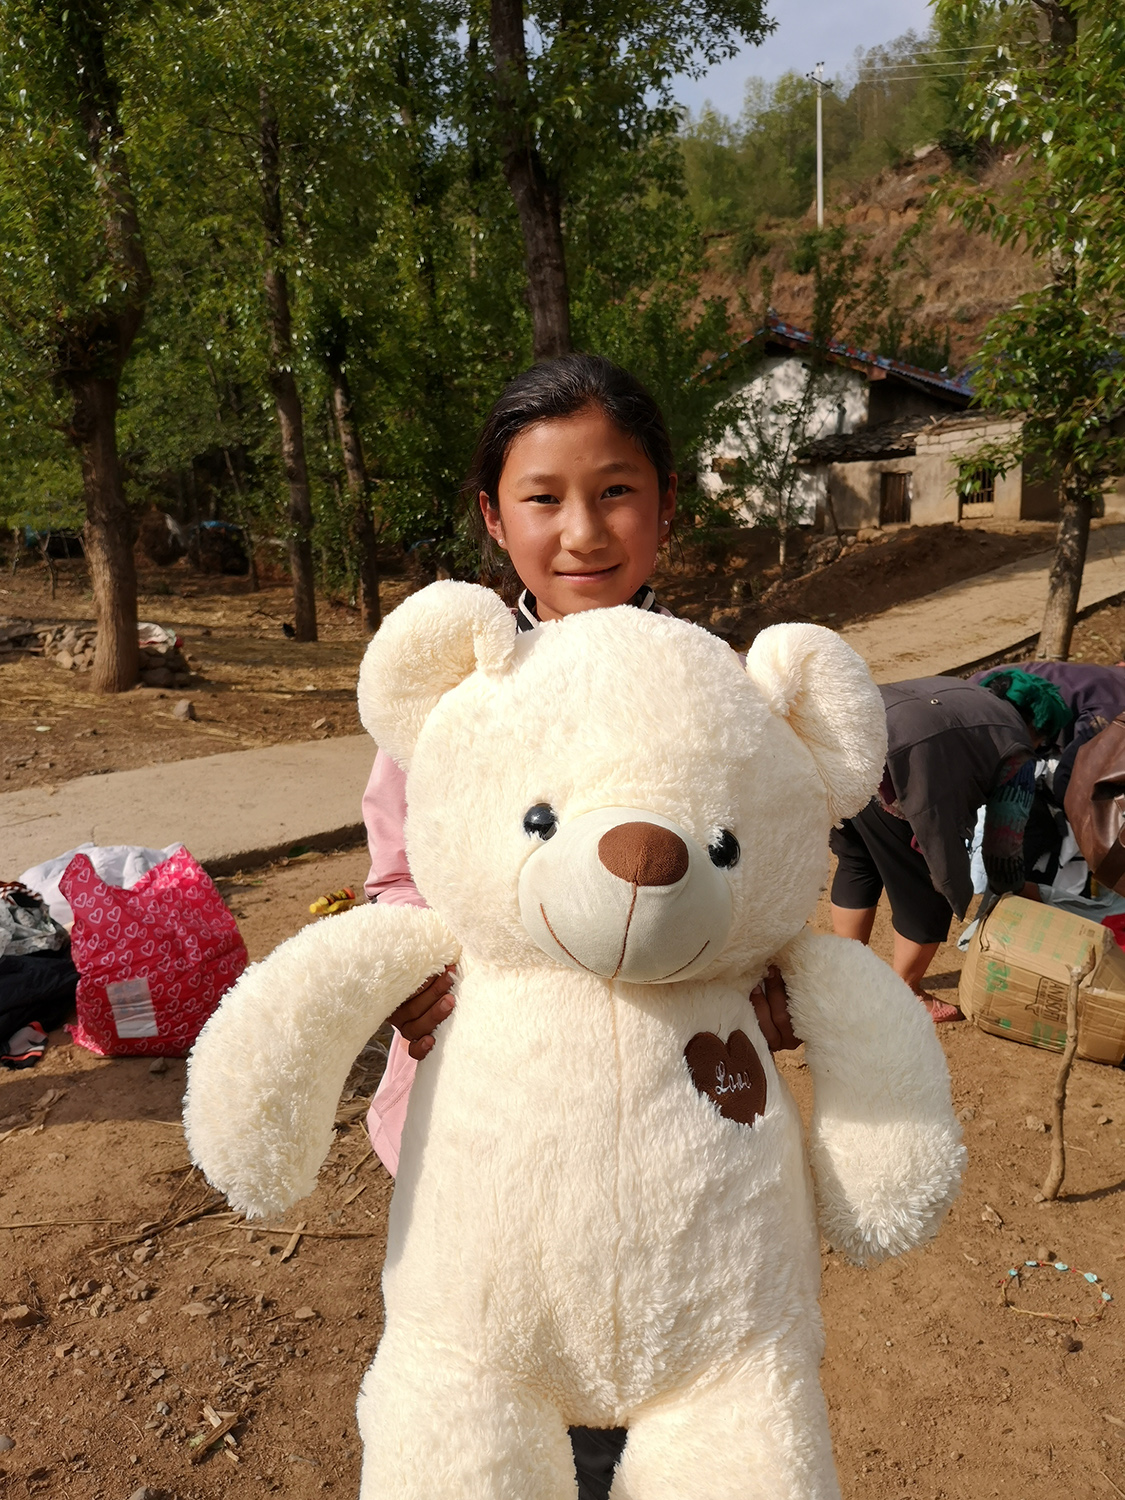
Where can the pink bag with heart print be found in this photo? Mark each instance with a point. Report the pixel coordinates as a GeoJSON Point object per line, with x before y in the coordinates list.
{"type": "Point", "coordinates": [153, 961]}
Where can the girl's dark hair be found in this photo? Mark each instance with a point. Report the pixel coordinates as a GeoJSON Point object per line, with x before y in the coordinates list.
{"type": "Point", "coordinates": [550, 390]}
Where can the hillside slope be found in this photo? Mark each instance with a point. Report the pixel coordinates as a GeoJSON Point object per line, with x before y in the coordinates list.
{"type": "Point", "coordinates": [961, 279]}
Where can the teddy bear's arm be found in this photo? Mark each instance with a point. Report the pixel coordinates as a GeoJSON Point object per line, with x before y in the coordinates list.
{"type": "Point", "coordinates": [265, 1076]}
{"type": "Point", "coordinates": [885, 1144]}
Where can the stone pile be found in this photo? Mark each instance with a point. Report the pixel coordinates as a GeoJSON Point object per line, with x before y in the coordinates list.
{"type": "Point", "coordinates": [70, 646]}
{"type": "Point", "coordinates": [19, 635]}
{"type": "Point", "coordinates": [163, 666]}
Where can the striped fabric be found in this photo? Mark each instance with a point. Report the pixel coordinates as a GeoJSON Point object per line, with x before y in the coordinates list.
{"type": "Point", "coordinates": [527, 617]}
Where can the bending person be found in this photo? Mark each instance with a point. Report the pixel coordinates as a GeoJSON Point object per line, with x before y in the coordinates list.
{"type": "Point", "coordinates": [951, 747]}
{"type": "Point", "coordinates": [1094, 695]}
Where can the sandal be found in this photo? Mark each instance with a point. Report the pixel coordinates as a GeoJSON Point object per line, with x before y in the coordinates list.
{"type": "Point", "coordinates": [335, 901]}
{"type": "Point", "coordinates": [940, 1010]}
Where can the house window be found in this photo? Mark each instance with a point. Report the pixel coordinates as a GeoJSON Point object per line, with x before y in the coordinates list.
{"type": "Point", "coordinates": [894, 499]}
{"type": "Point", "coordinates": [978, 487]}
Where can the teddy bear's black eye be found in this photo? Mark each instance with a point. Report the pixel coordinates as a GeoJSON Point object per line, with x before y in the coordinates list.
{"type": "Point", "coordinates": [724, 850]}
{"type": "Point", "coordinates": [540, 822]}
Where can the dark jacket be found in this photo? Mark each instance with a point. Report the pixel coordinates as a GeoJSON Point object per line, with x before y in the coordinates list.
{"type": "Point", "coordinates": [947, 741]}
{"type": "Point", "coordinates": [1095, 696]}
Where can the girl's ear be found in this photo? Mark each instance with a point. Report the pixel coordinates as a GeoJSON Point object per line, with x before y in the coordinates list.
{"type": "Point", "coordinates": [431, 642]}
{"type": "Point", "coordinates": [823, 688]}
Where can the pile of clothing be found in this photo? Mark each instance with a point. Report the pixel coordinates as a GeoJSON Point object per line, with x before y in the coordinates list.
{"type": "Point", "coordinates": [38, 979]}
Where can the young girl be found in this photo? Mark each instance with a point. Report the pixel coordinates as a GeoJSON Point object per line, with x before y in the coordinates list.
{"type": "Point", "coordinates": [573, 480]}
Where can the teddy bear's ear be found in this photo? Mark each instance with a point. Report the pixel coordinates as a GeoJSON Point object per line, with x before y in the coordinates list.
{"type": "Point", "coordinates": [431, 642]}
{"type": "Point", "coordinates": [810, 677]}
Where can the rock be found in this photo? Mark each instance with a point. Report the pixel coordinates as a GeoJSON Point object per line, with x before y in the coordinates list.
{"type": "Point", "coordinates": [184, 709]}
{"type": "Point", "coordinates": [303, 1314]}
{"type": "Point", "coordinates": [1043, 1253]}
{"type": "Point", "coordinates": [65, 660]}
{"type": "Point", "coordinates": [20, 1316]}
{"type": "Point", "coordinates": [157, 677]}
{"type": "Point", "coordinates": [1104, 1120]}
{"type": "Point", "coordinates": [990, 1216]}
{"type": "Point", "coordinates": [6, 1443]}
{"type": "Point", "coordinates": [143, 1254]}
{"type": "Point", "coordinates": [967, 1114]}
{"type": "Point", "coordinates": [144, 1493]}
{"type": "Point", "coordinates": [200, 1309]}
{"type": "Point", "coordinates": [1033, 1123]}
{"type": "Point", "coordinates": [160, 1064]}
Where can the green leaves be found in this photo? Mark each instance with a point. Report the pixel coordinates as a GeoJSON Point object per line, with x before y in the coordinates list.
{"type": "Point", "coordinates": [1058, 355]}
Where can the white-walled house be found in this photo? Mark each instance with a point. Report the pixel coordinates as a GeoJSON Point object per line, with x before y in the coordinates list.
{"type": "Point", "coordinates": [861, 392]}
{"type": "Point", "coordinates": [923, 473]}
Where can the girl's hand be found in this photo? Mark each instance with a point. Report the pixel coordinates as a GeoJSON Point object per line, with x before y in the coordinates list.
{"type": "Point", "coordinates": [419, 1017]}
{"type": "Point", "coordinates": [771, 1006]}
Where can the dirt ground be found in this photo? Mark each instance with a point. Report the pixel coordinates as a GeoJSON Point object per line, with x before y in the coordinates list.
{"type": "Point", "coordinates": [891, 567]}
{"type": "Point", "coordinates": [252, 687]}
{"type": "Point", "coordinates": [142, 1309]}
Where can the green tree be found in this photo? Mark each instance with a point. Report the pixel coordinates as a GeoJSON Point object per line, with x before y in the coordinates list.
{"type": "Point", "coordinates": [763, 165]}
{"type": "Point", "coordinates": [597, 84]}
{"type": "Point", "coordinates": [74, 278]}
{"type": "Point", "coordinates": [1053, 94]}
{"type": "Point", "coordinates": [274, 107]}
{"type": "Point", "coordinates": [774, 427]}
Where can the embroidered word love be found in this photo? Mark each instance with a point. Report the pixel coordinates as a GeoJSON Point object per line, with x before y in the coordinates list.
{"type": "Point", "coordinates": [730, 1073]}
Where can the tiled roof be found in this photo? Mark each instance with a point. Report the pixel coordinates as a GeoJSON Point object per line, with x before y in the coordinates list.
{"type": "Point", "coordinates": [888, 440]}
{"type": "Point", "coordinates": [774, 330]}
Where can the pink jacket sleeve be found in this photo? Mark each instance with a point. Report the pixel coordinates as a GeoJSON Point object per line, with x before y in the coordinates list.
{"type": "Point", "coordinates": [384, 816]}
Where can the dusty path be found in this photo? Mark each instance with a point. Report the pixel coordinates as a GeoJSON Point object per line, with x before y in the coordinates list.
{"type": "Point", "coordinates": [936, 1390]}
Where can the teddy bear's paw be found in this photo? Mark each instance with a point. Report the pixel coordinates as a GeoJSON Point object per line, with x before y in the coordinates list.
{"type": "Point", "coordinates": [279, 1172]}
{"type": "Point", "coordinates": [890, 1191]}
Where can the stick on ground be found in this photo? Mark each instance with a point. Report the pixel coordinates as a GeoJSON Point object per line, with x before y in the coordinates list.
{"type": "Point", "coordinates": [1054, 1180]}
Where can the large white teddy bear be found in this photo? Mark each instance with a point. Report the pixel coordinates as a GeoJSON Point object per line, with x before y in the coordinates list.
{"type": "Point", "coordinates": [604, 1215]}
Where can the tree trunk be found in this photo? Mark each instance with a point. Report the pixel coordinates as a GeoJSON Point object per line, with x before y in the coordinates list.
{"type": "Point", "coordinates": [1065, 581]}
{"type": "Point", "coordinates": [91, 355]}
{"type": "Point", "coordinates": [536, 195]}
{"type": "Point", "coordinates": [1062, 23]}
{"type": "Point", "coordinates": [287, 398]}
{"type": "Point", "coordinates": [363, 522]}
{"type": "Point", "coordinates": [108, 534]}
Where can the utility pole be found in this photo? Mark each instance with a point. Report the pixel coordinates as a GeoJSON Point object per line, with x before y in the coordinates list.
{"type": "Point", "coordinates": [817, 77]}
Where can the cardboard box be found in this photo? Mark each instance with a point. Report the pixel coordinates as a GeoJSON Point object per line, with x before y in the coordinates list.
{"type": "Point", "coordinates": [1017, 972]}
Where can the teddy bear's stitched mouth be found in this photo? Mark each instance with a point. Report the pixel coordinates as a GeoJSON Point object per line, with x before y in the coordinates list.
{"type": "Point", "coordinates": [573, 958]}
{"type": "Point", "coordinates": [688, 965]}
{"type": "Point", "coordinates": [632, 906]}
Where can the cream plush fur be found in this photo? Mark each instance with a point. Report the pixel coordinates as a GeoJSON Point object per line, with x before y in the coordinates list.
{"type": "Point", "coordinates": [578, 1236]}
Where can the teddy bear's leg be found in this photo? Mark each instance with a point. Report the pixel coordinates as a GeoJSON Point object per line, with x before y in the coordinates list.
{"type": "Point", "coordinates": [434, 1424]}
{"type": "Point", "coordinates": [757, 1433]}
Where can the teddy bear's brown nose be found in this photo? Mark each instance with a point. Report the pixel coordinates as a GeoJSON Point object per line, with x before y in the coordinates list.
{"type": "Point", "coordinates": [644, 854]}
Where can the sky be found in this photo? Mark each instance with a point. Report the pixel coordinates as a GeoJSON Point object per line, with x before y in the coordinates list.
{"type": "Point", "coordinates": [808, 32]}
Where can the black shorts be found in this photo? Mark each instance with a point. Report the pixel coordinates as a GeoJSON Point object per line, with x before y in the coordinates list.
{"type": "Point", "coordinates": [874, 853]}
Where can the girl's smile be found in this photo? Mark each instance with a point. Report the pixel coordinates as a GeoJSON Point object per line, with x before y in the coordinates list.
{"type": "Point", "coordinates": [580, 513]}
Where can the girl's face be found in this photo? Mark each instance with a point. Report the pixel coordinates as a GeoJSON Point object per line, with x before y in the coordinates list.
{"type": "Point", "coordinates": [581, 514]}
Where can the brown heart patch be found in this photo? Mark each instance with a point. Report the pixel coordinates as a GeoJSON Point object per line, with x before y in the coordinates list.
{"type": "Point", "coordinates": [730, 1073]}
